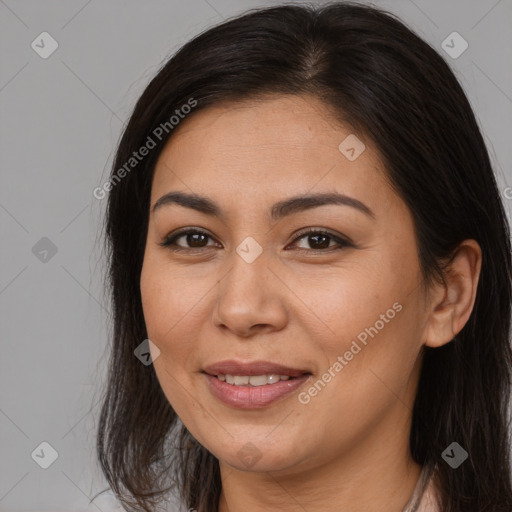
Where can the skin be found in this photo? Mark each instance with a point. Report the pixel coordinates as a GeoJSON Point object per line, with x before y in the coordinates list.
{"type": "Point", "coordinates": [347, 449]}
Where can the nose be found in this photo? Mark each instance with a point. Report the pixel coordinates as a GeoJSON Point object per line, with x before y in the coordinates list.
{"type": "Point", "coordinates": [250, 299]}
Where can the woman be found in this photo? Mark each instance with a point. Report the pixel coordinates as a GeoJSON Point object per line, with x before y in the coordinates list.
{"type": "Point", "coordinates": [307, 242]}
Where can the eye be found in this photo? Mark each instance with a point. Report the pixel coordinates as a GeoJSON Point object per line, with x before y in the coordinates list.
{"type": "Point", "coordinates": [320, 240]}
{"type": "Point", "coordinates": [196, 239]}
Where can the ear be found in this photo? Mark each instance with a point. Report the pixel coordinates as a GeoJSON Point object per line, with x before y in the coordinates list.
{"type": "Point", "coordinates": [452, 303]}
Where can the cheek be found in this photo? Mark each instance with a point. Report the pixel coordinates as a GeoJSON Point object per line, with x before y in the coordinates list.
{"type": "Point", "coordinates": [155, 301]}
{"type": "Point", "coordinates": [373, 338]}
{"type": "Point", "coordinates": [164, 297]}
{"type": "Point", "coordinates": [352, 304]}
{"type": "Point", "coordinates": [162, 305]}
{"type": "Point", "coordinates": [173, 307]}
{"type": "Point", "coordinates": [378, 360]}
{"type": "Point", "coordinates": [165, 314]}
{"type": "Point", "coordinates": [361, 387]}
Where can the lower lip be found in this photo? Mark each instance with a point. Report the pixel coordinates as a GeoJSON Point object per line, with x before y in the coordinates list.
{"type": "Point", "coordinates": [253, 397]}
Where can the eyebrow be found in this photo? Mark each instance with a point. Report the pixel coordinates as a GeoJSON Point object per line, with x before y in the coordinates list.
{"type": "Point", "coordinates": [279, 210]}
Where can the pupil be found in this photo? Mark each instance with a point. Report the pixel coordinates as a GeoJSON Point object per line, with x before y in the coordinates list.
{"type": "Point", "coordinates": [190, 237]}
{"type": "Point", "coordinates": [324, 245]}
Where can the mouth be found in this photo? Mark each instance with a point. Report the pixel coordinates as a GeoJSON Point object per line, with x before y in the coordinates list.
{"type": "Point", "coordinates": [253, 385]}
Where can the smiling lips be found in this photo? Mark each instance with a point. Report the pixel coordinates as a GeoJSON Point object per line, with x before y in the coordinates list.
{"type": "Point", "coordinates": [252, 385]}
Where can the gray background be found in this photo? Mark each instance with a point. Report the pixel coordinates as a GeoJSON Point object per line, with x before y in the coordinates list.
{"type": "Point", "coordinates": [61, 118]}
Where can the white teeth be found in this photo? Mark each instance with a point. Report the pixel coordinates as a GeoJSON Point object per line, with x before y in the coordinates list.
{"type": "Point", "coordinates": [258, 380]}
{"type": "Point", "coordinates": [253, 380]}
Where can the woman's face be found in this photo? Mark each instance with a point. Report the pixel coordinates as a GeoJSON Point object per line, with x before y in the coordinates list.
{"type": "Point", "coordinates": [341, 314]}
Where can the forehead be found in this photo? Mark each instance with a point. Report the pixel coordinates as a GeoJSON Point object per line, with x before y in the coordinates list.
{"type": "Point", "coordinates": [275, 146]}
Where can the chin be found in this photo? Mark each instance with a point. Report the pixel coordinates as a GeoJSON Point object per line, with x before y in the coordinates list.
{"type": "Point", "coordinates": [259, 455]}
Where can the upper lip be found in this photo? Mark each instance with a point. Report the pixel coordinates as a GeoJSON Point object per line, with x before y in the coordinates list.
{"type": "Point", "coordinates": [232, 367]}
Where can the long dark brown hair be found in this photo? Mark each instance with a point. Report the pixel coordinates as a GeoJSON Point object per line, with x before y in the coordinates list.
{"type": "Point", "coordinates": [383, 80]}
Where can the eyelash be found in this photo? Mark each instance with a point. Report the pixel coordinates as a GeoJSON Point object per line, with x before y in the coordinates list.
{"type": "Point", "coordinates": [170, 244]}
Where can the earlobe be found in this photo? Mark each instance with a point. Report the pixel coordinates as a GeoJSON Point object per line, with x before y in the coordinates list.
{"type": "Point", "coordinates": [452, 302]}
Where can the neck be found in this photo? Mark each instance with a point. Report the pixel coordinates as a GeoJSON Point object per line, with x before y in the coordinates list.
{"type": "Point", "coordinates": [375, 476]}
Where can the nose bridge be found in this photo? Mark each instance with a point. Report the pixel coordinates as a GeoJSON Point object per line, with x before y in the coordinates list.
{"type": "Point", "coordinates": [248, 264]}
{"type": "Point", "coordinates": [247, 295]}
